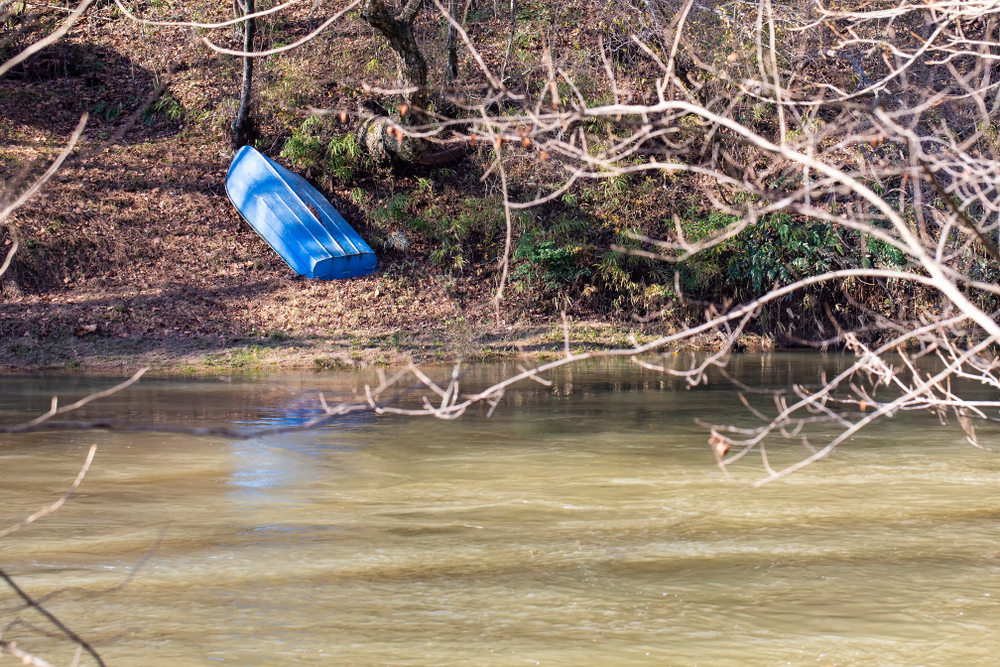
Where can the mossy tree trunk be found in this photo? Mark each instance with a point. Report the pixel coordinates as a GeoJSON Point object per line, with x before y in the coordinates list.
{"type": "Point", "coordinates": [375, 135]}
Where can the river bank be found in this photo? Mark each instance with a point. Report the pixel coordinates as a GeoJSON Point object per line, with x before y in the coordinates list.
{"type": "Point", "coordinates": [282, 324]}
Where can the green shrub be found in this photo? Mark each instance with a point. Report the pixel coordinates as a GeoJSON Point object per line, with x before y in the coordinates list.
{"type": "Point", "coordinates": [342, 157]}
{"type": "Point", "coordinates": [476, 224]}
{"type": "Point", "coordinates": [314, 149]}
{"type": "Point", "coordinates": [304, 149]}
{"type": "Point", "coordinates": [554, 266]}
{"type": "Point", "coordinates": [108, 109]}
{"type": "Point", "coordinates": [778, 249]}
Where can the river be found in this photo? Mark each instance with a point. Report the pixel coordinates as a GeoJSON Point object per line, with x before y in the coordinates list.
{"type": "Point", "coordinates": [582, 524]}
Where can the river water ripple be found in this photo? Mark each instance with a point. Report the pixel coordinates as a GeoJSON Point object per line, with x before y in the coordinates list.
{"type": "Point", "coordinates": [585, 524]}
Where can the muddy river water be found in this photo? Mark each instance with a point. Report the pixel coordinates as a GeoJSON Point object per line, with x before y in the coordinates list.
{"type": "Point", "coordinates": [583, 524]}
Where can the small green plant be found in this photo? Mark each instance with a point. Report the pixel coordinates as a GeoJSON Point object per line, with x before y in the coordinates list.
{"type": "Point", "coordinates": [304, 148]}
{"type": "Point", "coordinates": [357, 196]}
{"type": "Point", "coordinates": [395, 210]}
{"type": "Point", "coordinates": [342, 157]}
{"type": "Point", "coordinates": [568, 227]}
{"type": "Point", "coordinates": [555, 266]}
{"type": "Point", "coordinates": [314, 149]}
{"type": "Point", "coordinates": [110, 111]}
{"type": "Point", "coordinates": [166, 107]}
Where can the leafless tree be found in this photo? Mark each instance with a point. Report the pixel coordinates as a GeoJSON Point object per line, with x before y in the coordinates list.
{"type": "Point", "coordinates": [879, 121]}
{"type": "Point", "coordinates": [906, 156]}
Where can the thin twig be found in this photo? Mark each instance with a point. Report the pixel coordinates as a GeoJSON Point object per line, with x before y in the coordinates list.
{"type": "Point", "coordinates": [54, 507]}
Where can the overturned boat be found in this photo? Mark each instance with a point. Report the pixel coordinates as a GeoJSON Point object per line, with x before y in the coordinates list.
{"type": "Point", "coordinates": [296, 220]}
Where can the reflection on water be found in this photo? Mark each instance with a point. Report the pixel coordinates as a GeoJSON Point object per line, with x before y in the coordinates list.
{"type": "Point", "coordinates": [266, 462]}
{"type": "Point", "coordinates": [584, 524]}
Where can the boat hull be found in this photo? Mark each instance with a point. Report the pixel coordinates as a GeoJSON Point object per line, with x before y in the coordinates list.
{"type": "Point", "coordinates": [296, 220]}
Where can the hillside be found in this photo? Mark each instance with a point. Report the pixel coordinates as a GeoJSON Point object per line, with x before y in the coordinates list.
{"type": "Point", "coordinates": [133, 254]}
{"type": "Point", "coordinates": [140, 240]}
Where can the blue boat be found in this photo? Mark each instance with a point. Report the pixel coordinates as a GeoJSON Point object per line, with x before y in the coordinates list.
{"type": "Point", "coordinates": [296, 220]}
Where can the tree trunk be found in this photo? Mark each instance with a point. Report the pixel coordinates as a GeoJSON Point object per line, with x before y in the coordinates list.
{"type": "Point", "coordinates": [375, 136]}
{"type": "Point", "coordinates": [451, 69]}
{"type": "Point", "coordinates": [243, 125]}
